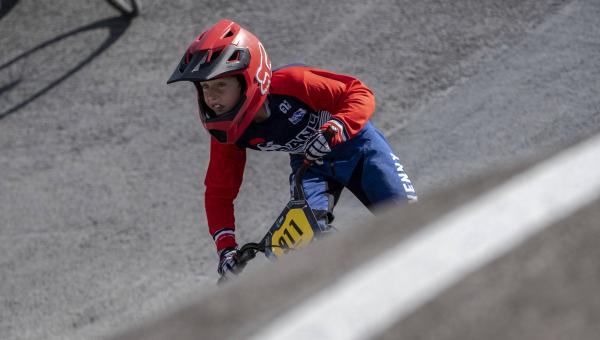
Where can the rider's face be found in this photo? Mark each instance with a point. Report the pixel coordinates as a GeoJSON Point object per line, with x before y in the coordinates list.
{"type": "Point", "coordinates": [221, 95]}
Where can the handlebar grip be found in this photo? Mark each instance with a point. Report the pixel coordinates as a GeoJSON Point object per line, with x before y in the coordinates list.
{"type": "Point", "coordinates": [246, 256]}
{"type": "Point", "coordinates": [248, 251]}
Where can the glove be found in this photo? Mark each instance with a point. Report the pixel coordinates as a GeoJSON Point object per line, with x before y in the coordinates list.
{"type": "Point", "coordinates": [320, 144]}
{"type": "Point", "coordinates": [229, 262]}
{"type": "Point", "coordinates": [316, 147]}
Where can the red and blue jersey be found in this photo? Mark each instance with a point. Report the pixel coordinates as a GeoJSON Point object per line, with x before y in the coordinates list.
{"type": "Point", "coordinates": [300, 100]}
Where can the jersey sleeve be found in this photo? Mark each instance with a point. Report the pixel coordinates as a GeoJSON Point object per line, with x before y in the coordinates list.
{"type": "Point", "coordinates": [223, 180]}
{"type": "Point", "coordinates": [349, 101]}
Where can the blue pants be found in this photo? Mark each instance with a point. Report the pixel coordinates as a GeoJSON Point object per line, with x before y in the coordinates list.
{"type": "Point", "coordinates": [365, 164]}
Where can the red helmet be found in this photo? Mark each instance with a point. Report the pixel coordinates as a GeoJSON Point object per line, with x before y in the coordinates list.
{"type": "Point", "coordinates": [224, 50]}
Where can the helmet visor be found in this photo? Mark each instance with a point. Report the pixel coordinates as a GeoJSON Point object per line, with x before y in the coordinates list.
{"type": "Point", "coordinates": [207, 64]}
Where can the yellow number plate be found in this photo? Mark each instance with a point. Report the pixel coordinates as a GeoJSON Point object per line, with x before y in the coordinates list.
{"type": "Point", "coordinates": [294, 233]}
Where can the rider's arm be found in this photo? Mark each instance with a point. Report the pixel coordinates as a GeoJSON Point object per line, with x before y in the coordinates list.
{"type": "Point", "coordinates": [349, 100]}
{"type": "Point", "coordinates": [223, 180]}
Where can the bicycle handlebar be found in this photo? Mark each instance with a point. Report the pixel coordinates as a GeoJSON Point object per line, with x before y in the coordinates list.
{"type": "Point", "coordinates": [246, 253]}
{"type": "Point", "coordinates": [249, 250]}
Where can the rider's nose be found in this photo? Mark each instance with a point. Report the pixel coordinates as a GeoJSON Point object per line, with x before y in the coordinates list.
{"type": "Point", "coordinates": [210, 97]}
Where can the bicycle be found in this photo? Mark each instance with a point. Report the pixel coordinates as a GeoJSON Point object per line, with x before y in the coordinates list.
{"type": "Point", "coordinates": [128, 8]}
{"type": "Point", "coordinates": [295, 228]}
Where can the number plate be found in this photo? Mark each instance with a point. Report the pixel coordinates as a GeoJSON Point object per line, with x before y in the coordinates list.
{"type": "Point", "coordinates": [295, 228]}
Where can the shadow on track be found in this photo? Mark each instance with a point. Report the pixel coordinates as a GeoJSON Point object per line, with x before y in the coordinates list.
{"type": "Point", "coordinates": [116, 25]}
{"type": "Point", "coordinates": [6, 6]}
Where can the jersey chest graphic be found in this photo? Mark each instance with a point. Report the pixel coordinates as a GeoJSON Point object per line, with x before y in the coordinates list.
{"type": "Point", "coordinates": [288, 127]}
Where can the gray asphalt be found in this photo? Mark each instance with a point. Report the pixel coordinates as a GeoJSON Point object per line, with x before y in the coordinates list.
{"type": "Point", "coordinates": [102, 164]}
{"type": "Point", "coordinates": [543, 289]}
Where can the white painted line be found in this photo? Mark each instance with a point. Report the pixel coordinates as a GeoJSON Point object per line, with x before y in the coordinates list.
{"type": "Point", "coordinates": [374, 296]}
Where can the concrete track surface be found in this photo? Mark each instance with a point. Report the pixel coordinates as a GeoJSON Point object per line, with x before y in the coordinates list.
{"type": "Point", "coordinates": [101, 219]}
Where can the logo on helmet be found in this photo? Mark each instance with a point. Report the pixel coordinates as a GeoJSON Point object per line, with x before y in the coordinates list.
{"type": "Point", "coordinates": [263, 74]}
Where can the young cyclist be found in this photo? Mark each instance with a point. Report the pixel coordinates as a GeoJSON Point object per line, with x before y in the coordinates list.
{"type": "Point", "coordinates": [244, 104]}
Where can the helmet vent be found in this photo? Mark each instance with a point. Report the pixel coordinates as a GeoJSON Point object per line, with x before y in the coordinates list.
{"type": "Point", "coordinates": [234, 57]}
{"type": "Point", "coordinates": [228, 34]}
{"type": "Point", "coordinates": [184, 63]}
{"type": "Point", "coordinates": [215, 55]}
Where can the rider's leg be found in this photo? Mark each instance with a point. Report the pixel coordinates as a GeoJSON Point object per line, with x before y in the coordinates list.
{"type": "Point", "coordinates": [366, 165]}
{"type": "Point", "coordinates": [379, 176]}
